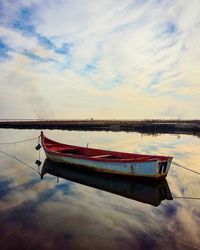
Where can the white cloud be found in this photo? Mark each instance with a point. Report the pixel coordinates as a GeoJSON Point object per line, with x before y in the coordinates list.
{"type": "Point", "coordinates": [138, 53]}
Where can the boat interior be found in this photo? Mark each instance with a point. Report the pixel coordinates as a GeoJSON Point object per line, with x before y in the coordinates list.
{"type": "Point", "coordinates": [88, 153]}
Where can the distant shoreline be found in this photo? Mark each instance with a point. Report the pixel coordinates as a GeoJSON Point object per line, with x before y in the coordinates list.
{"type": "Point", "coordinates": [191, 127]}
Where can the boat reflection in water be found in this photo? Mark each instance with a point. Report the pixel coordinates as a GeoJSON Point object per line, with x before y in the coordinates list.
{"type": "Point", "coordinates": [152, 193]}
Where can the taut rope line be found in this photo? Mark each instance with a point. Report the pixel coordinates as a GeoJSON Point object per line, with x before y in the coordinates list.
{"type": "Point", "coordinates": [19, 161]}
{"type": "Point", "coordinates": [6, 143]}
{"type": "Point", "coordinates": [179, 165]}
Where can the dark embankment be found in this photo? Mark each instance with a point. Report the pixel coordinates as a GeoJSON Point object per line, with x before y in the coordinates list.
{"type": "Point", "coordinates": [141, 126]}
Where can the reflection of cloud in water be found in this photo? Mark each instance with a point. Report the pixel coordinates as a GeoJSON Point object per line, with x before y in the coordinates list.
{"type": "Point", "coordinates": [48, 215]}
{"type": "Point", "coordinates": [108, 217]}
{"type": "Point", "coordinates": [4, 187]}
{"type": "Point", "coordinates": [20, 195]}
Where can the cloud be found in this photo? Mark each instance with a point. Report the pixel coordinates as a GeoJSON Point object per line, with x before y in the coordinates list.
{"type": "Point", "coordinates": [148, 47]}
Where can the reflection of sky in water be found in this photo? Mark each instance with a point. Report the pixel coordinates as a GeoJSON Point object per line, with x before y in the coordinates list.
{"type": "Point", "coordinates": [50, 215]}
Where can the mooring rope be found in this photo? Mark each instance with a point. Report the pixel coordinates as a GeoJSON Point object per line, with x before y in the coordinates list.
{"type": "Point", "coordinates": [179, 165]}
{"type": "Point", "coordinates": [185, 197]}
{"type": "Point", "coordinates": [19, 161]}
{"type": "Point", "coordinates": [31, 139]}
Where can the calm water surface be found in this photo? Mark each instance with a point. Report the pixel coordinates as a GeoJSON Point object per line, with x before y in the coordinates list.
{"type": "Point", "coordinates": [57, 213]}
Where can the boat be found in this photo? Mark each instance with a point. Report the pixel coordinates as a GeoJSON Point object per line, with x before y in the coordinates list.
{"type": "Point", "coordinates": [149, 192]}
{"type": "Point", "coordinates": [135, 165]}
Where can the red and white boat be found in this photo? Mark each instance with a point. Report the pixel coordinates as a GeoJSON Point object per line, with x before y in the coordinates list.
{"type": "Point", "coordinates": [137, 165]}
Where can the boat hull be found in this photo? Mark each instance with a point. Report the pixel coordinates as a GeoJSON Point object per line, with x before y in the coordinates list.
{"type": "Point", "coordinates": [137, 169]}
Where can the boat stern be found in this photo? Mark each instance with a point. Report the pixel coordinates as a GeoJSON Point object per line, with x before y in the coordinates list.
{"type": "Point", "coordinates": [157, 169]}
{"type": "Point", "coordinates": [162, 167]}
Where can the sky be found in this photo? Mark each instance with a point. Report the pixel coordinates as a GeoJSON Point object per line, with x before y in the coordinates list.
{"type": "Point", "coordinates": [108, 59]}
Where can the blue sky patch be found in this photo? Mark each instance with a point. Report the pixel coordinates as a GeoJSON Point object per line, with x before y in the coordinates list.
{"type": "Point", "coordinates": [169, 29]}
{"type": "Point", "coordinates": [25, 14]}
{"type": "Point", "coordinates": [25, 28]}
{"type": "Point", "coordinates": [156, 79]}
{"type": "Point", "coordinates": [34, 57]}
{"type": "Point", "coordinates": [64, 49]}
{"type": "Point", "coordinates": [112, 84]}
{"type": "Point", "coordinates": [45, 42]}
{"type": "Point", "coordinates": [23, 22]}
{"type": "Point", "coordinates": [90, 67]}
{"type": "Point", "coordinates": [4, 50]}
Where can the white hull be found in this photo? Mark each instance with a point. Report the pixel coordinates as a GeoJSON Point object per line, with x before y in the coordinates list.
{"type": "Point", "coordinates": [139, 169]}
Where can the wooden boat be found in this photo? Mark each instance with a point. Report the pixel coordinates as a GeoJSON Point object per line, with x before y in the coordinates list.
{"type": "Point", "coordinates": [137, 165]}
{"type": "Point", "coordinates": [149, 192]}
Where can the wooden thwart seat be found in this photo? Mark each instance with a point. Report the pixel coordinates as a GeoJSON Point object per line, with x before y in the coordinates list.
{"type": "Point", "coordinates": [99, 156]}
